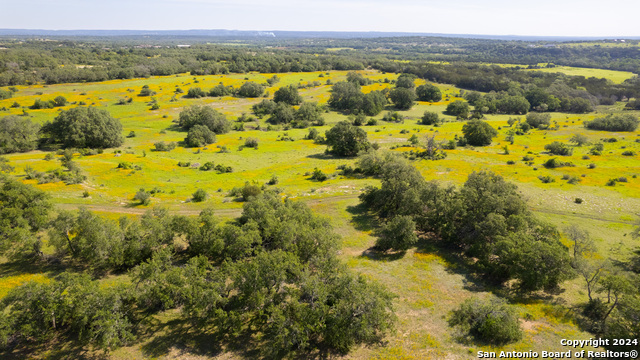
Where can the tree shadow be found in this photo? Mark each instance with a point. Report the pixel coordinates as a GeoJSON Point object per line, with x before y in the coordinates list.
{"type": "Point", "coordinates": [373, 254]}
{"type": "Point", "coordinates": [58, 348]}
{"type": "Point", "coordinates": [175, 127]}
{"type": "Point", "coordinates": [322, 156]}
{"type": "Point", "coordinates": [361, 218]}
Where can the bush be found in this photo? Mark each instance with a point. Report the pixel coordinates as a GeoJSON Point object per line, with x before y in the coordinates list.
{"type": "Point", "coordinates": [85, 127]}
{"type": "Point", "coordinates": [459, 109]}
{"type": "Point", "coordinates": [394, 116]}
{"type": "Point", "coordinates": [17, 134]}
{"type": "Point", "coordinates": [288, 95]}
{"type": "Point", "coordinates": [163, 146]}
{"type": "Point", "coordinates": [204, 115]}
{"type": "Point", "coordinates": [251, 89]}
{"type": "Point", "coordinates": [628, 153]}
{"type": "Point", "coordinates": [398, 234]}
{"type": "Point", "coordinates": [614, 122]}
{"type": "Point", "coordinates": [539, 120]}
{"type": "Point", "coordinates": [490, 321]}
{"type": "Point", "coordinates": [345, 139]}
{"type": "Point", "coordinates": [200, 135]}
{"type": "Point", "coordinates": [478, 133]}
{"type": "Point", "coordinates": [430, 118]}
{"type": "Point", "coordinates": [221, 90]}
{"type": "Point", "coordinates": [318, 175]}
{"type": "Point", "coordinates": [546, 179]}
{"type": "Point", "coordinates": [429, 93]}
{"type": "Point", "coordinates": [251, 143]}
{"type": "Point", "coordinates": [143, 197]}
{"type": "Point", "coordinates": [578, 200]}
{"type": "Point", "coordinates": [199, 196]}
{"type": "Point", "coordinates": [402, 98]}
{"type": "Point", "coordinates": [558, 148]}
{"type": "Point", "coordinates": [195, 93]}
{"type": "Point", "coordinates": [250, 190]}
{"type": "Point", "coordinates": [597, 149]}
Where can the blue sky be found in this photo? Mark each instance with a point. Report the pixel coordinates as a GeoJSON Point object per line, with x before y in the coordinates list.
{"type": "Point", "coordinates": [495, 17]}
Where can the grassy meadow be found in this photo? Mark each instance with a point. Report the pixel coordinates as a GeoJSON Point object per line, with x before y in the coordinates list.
{"type": "Point", "coordinates": [428, 282]}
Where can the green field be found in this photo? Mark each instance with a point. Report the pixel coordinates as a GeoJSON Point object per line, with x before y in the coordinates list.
{"type": "Point", "coordinates": [428, 282]}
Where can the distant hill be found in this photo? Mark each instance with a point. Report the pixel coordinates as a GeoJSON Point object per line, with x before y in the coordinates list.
{"type": "Point", "coordinates": [280, 34]}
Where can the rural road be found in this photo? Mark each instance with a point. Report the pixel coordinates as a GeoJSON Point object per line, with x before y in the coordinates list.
{"type": "Point", "coordinates": [231, 213]}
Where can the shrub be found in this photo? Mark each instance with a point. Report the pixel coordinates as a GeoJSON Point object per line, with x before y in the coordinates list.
{"type": "Point", "coordinates": [558, 148]}
{"type": "Point", "coordinates": [85, 127]}
{"type": "Point", "coordinates": [251, 89]}
{"type": "Point", "coordinates": [195, 93]}
{"type": "Point", "coordinates": [539, 120]}
{"type": "Point", "coordinates": [429, 93]}
{"type": "Point", "coordinates": [250, 190]}
{"type": "Point", "coordinates": [143, 197]}
{"type": "Point", "coordinates": [611, 182]}
{"type": "Point", "coordinates": [199, 196]}
{"type": "Point", "coordinates": [344, 139]}
{"type": "Point", "coordinates": [478, 133]}
{"type": "Point", "coordinates": [398, 234]}
{"type": "Point", "coordinates": [200, 135]}
{"type": "Point", "coordinates": [403, 98]}
{"type": "Point", "coordinates": [208, 166]}
{"type": "Point", "coordinates": [251, 143]}
{"type": "Point", "coordinates": [430, 118]}
{"type": "Point", "coordinates": [17, 134]}
{"type": "Point", "coordinates": [163, 146]}
{"type": "Point", "coordinates": [628, 153]}
{"type": "Point", "coordinates": [591, 166]}
{"type": "Point", "coordinates": [596, 149]}
{"type": "Point", "coordinates": [546, 179]}
{"type": "Point", "coordinates": [578, 200]}
{"type": "Point", "coordinates": [273, 180]}
{"type": "Point", "coordinates": [125, 165]}
{"type": "Point", "coordinates": [614, 122]}
{"type": "Point", "coordinates": [459, 109]}
{"type": "Point", "coordinates": [491, 321]}
{"type": "Point", "coordinates": [394, 116]}
{"type": "Point", "coordinates": [288, 95]}
{"type": "Point", "coordinates": [221, 90]}
{"type": "Point", "coordinates": [318, 175]}
{"type": "Point", "coordinates": [555, 163]}
{"type": "Point", "coordinates": [204, 115]}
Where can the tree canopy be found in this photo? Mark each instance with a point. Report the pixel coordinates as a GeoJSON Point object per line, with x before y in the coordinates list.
{"type": "Point", "coordinates": [345, 139]}
{"type": "Point", "coordinates": [85, 127]}
{"type": "Point", "coordinates": [18, 134]}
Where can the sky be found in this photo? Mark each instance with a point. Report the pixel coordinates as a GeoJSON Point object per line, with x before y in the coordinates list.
{"type": "Point", "coordinates": [487, 17]}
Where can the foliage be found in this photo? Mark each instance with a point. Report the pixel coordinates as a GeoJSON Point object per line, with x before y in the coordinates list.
{"type": "Point", "coordinates": [458, 108]}
{"type": "Point", "coordinates": [17, 134]}
{"type": "Point", "coordinates": [539, 120]}
{"type": "Point", "coordinates": [398, 234]}
{"type": "Point", "coordinates": [402, 98]}
{"type": "Point", "coordinates": [251, 89]}
{"type": "Point", "coordinates": [200, 135]}
{"type": "Point", "coordinates": [430, 118]}
{"type": "Point", "coordinates": [478, 133]}
{"type": "Point", "coordinates": [85, 127]}
{"type": "Point", "coordinates": [206, 116]}
{"type": "Point", "coordinates": [288, 95]}
{"type": "Point", "coordinates": [345, 139]}
{"type": "Point", "coordinates": [488, 321]}
{"type": "Point", "coordinates": [24, 212]}
{"type": "Point", "coordinates": [558, 148]}
{"type": "Point", "coordinates": [613, 122]}
{"type": "Point", "coordinates": [428, 92]}
{"type": "Point", "coordinates": [199, 196]}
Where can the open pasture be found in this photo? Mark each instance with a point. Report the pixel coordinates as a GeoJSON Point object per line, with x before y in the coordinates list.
{"type": "Point", "coordinates": [428, 282]}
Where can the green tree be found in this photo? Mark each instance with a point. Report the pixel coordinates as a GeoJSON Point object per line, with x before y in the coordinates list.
{"type": "Point", "coordinates": [60, 101]}
{"type": "Point", "coordinates": [406, 81]}
{"type": "Point", "coordinates": [310, 112]}
{"type": "Point", "coordinates": [430, 118]}
{"type": "Point", "coordinates": [17, 134]}
{"type": "Point", "coordinates": [24, 212]}
{"type": "Point", "coordinates": [288, 95]}
{"type": "Point", "coordinates": [195, 93]}
{"type": "Point", "coordinates": [539, 120]}
{"type": "Point", "coordinates": [251, 89]}
{"type": "Point", "coordinates": [200, 135]}
{"type": "Point", "coordinates": [402, 98]}
{"type": "Point", "coordinates": [459, 109]}
{"type": "Point", "coordinates": [398, 234]}
{"type": "Point", "coordinates": [345, 139]}
{"type": "Point", "coordinates": [199, 196]}
{"type": "Point", "coordinates": [85, 127]}
{"type": "Point", "coordinates": [491, 321]}
{"type": "Point", "coordinates": [204, 115]}
{"type": "Point", "coordinates": [478, 133]}
{"type": "Point", "coordinates": [282, 114]}
{"type": "Point", "coordinates": [428, 92]}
